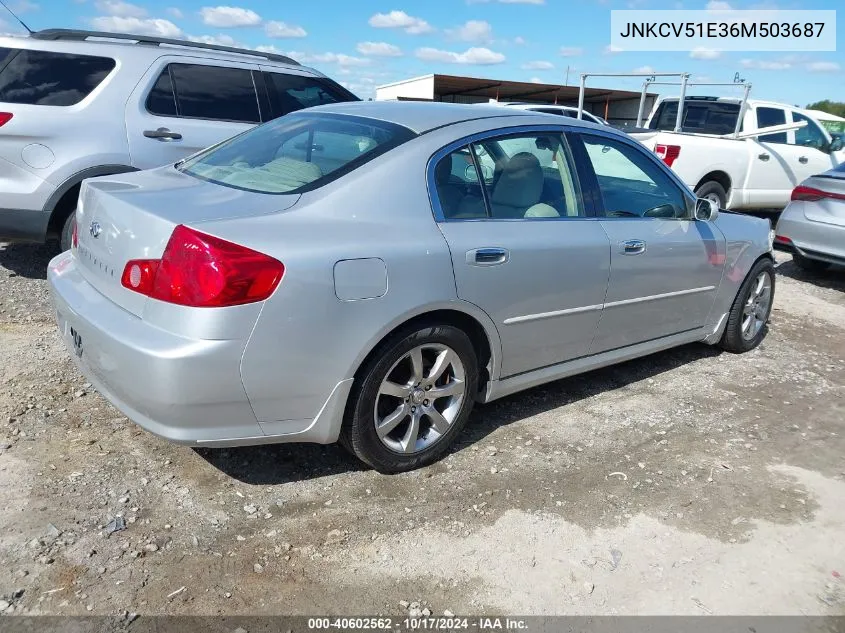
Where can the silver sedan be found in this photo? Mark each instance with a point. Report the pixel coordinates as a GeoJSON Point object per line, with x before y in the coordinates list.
{"type": "Point", "coordinates": [812, 227]}
{"type": "Point", "coordinates": [367, 272]}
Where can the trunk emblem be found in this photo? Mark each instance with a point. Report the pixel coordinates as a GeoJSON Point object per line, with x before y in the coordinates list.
{"type": "Point", "coordinates": [95, 229]}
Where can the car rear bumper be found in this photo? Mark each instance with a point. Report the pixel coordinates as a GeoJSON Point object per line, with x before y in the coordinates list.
{"type": "Point", "coordinates": [184, 390]}
{"type": "Point", "coordinates": [814, 240]}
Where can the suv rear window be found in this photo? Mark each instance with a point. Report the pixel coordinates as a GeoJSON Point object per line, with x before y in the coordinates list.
{"type": "Point", "coordinates": [46, 78]}
{"type": "Point", "coordinates": [289, 93]}
{"type": "Point", "coordinates": [198, 91]}
{"type": "Point", "coordinates": [702, 117]}
{"type": "Point", "coordinates": [296, 153]}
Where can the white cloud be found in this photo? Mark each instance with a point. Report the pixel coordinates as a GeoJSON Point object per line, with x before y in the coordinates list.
{"type": "Point", "coordinates": [571, 51]}
{"type": "Point", "coordinates": [475, 55]}
{"type": "Point", "coordinates": [519, 40]}
{"type": "Point", "coordinates": [155, 27]}
{"type": "Point", "coordinates": [317, 58]}
{"type": "Point", "coordinates": [378, 49]}
{"type": "Point", "coordinates": [538, 65]}
{"type": "Point", "coordinates": [643, 69]}
{"type": "Point", "coordinates": [229, 17]}
{"type": "Point", "coordinates": [611, 49]}
{"type": "Point", "coordinates": [536, 80]}
{"type": "Point", "coordinates": [173, 12]}
{"type": "Point", "coordinates": [761, 64]}
{"type": "Point", "coordinates": [121, 9]}
{"type": "Point", "coordinates": [277, 29]}
{"type": "Point", "coordinates": [824, 67]}
{"type": "Point", "coordinates": [704, 53]}
{"type": "Point", "coordinates": [477, 31]}
{"type": "Point", "coordinates": [400, 20]}
{"type": "Point", "coordinates": [220, 40]}
{"type": "Point", "coordinates": [718, 5]}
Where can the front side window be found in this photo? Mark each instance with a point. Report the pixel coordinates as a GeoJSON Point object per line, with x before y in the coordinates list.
{"type": "Point", "coordinates": [767, 117]}
{"type": "Point", "coordinates": [810, 135]}
{"type": "Point", "coordinates": [631, 183]}
{"type": "Point", "coordinates": [45, 78]}
{"type": "Point", "coordinates": [289, 93]}
{"type": "Point", "coordinates": [214, 93]}
{"type": "Point", "coordinates": [522, 176]}
{"type": "Point", "coordinates": [296, 153]}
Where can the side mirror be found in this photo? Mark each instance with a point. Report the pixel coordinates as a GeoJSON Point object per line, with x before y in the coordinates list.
{"type": "Point", "coordinates": [706, 210]}
{"type": "Point", "coordinates": [470, 175]}
{"type": "Point", "coordinates": [836, 144]}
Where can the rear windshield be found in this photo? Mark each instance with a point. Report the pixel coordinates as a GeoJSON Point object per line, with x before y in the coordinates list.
{"type": "Point", "coordinates": [296, 153]}
{"type": "Point", "coordinates": [702, 117]}
{"type": "Point", "coordinates": [45, 78]}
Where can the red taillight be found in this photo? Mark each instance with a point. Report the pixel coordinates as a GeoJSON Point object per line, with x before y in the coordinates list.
{"type": "Point", "coordinates": [201, 270]}
{"type": "Point", "coordinates": [74, 236]}
{"type": "Point", "coordinates": [5, 117]}
{"type": "Point", "coordinates": [668, 153]}
{"type": "Point", "coordinates": [811, 194]}
{"type": "Point", "coordinates": [785, 241]}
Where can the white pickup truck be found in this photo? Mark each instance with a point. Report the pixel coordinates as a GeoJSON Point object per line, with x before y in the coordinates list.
{"type": "Point", "coordinates": [745, 168]}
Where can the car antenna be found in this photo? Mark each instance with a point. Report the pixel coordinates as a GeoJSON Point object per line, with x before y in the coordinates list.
{"type": "Point", "coordinates": [5, 6]}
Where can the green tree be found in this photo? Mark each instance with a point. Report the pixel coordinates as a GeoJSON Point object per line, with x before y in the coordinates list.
{"type": "Point", "coordinates": [831, 107]}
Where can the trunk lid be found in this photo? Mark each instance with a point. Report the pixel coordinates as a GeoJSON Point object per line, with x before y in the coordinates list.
{"type": "Point", "coordinates": [131, 216]}
{"type": "Point", "coordinates": [827, 210]}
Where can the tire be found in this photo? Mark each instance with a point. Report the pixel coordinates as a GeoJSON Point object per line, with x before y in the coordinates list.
{"type": "Point", "coordinates": [67, 232]}
{"type": "Point", "coordinates": [713, 190]}
{"type": "Point", "coordinates": [810, 265]}
{"type": "Point", "coordinates": [740, 334]}
{"type": "Point", "coordinates": [398, 403]}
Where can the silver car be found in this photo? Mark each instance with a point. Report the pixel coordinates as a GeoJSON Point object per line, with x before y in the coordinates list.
{"type": "Point", "coordinates": [367, 272]}
{"type": "Point", "coordinates": [812, 227]}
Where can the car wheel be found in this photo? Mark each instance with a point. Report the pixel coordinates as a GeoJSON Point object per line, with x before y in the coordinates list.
{"type": "Point", "coordinates": [712, 190]}
{"type": "Point", "coordinates": [810, 265]}
{"type": "Point", "coordinates": [67, 232]}
{"type": "Point", "coordinates": [412, 399]}
{"type": "Point", "coordinates": [749, 315]}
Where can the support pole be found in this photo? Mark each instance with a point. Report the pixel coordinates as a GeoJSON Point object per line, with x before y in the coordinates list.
{"type": "Point", "coordinates": [680, 117]}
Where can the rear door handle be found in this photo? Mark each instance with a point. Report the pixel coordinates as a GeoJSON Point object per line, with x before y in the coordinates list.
{"type": "Point", "coordinates": [764, 156]}
{"type": "Point", "coordinates": [632, 247]}
{"type": "Point", "coordinates": [803, 160]}
{"type": "Point", "coordinates": [163, 134]}
{"type": "Point", "coordinates": [488, 256]}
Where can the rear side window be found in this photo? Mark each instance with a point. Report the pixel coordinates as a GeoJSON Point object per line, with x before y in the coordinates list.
{"type": "Point", "coordinates": [296, 153]}
{"type": "Point", "coordinates": [767, 117]}
{"type": "Point", "coordinates": [45, 78]}
{"type": "Point", "coordinates": [289, 93]}
{"type": "Point", "coordinates": [205, 92]}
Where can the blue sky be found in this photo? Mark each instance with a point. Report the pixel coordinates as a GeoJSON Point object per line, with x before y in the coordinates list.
{"type": "Point", "coordinates": [364, 43]}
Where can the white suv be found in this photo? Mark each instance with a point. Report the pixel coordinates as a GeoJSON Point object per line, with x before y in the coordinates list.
{"type": "Point", "coordinates": [78, 104]}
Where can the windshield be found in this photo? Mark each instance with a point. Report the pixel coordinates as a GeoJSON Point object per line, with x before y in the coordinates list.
{"type": "Point", "coordinates": [295, 153]}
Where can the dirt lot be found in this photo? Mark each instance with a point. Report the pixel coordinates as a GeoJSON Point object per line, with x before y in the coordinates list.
{"type": "Point", "coordinates": [689, 482]}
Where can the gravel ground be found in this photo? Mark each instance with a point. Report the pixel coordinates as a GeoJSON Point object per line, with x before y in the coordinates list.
{"type": "Point", "coordinates": [688, 482]}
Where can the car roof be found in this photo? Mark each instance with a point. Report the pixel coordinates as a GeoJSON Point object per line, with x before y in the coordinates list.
{"type": "Point", "coordinates": [130, 47]}
{"type": "Point", "coordinates": [423, 116]}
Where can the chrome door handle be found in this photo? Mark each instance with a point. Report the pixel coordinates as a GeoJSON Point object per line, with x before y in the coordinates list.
{"type": "Point", "coordinates": [163, 134]}
{"type": "Point", "coordinates": [803, 160]}
{"type": "Point", "coordinates": [764, 156]}
{"type": "Point", "coordinates": [632, 247]}
{"type": "Point", "coordinates": [488, 256]}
